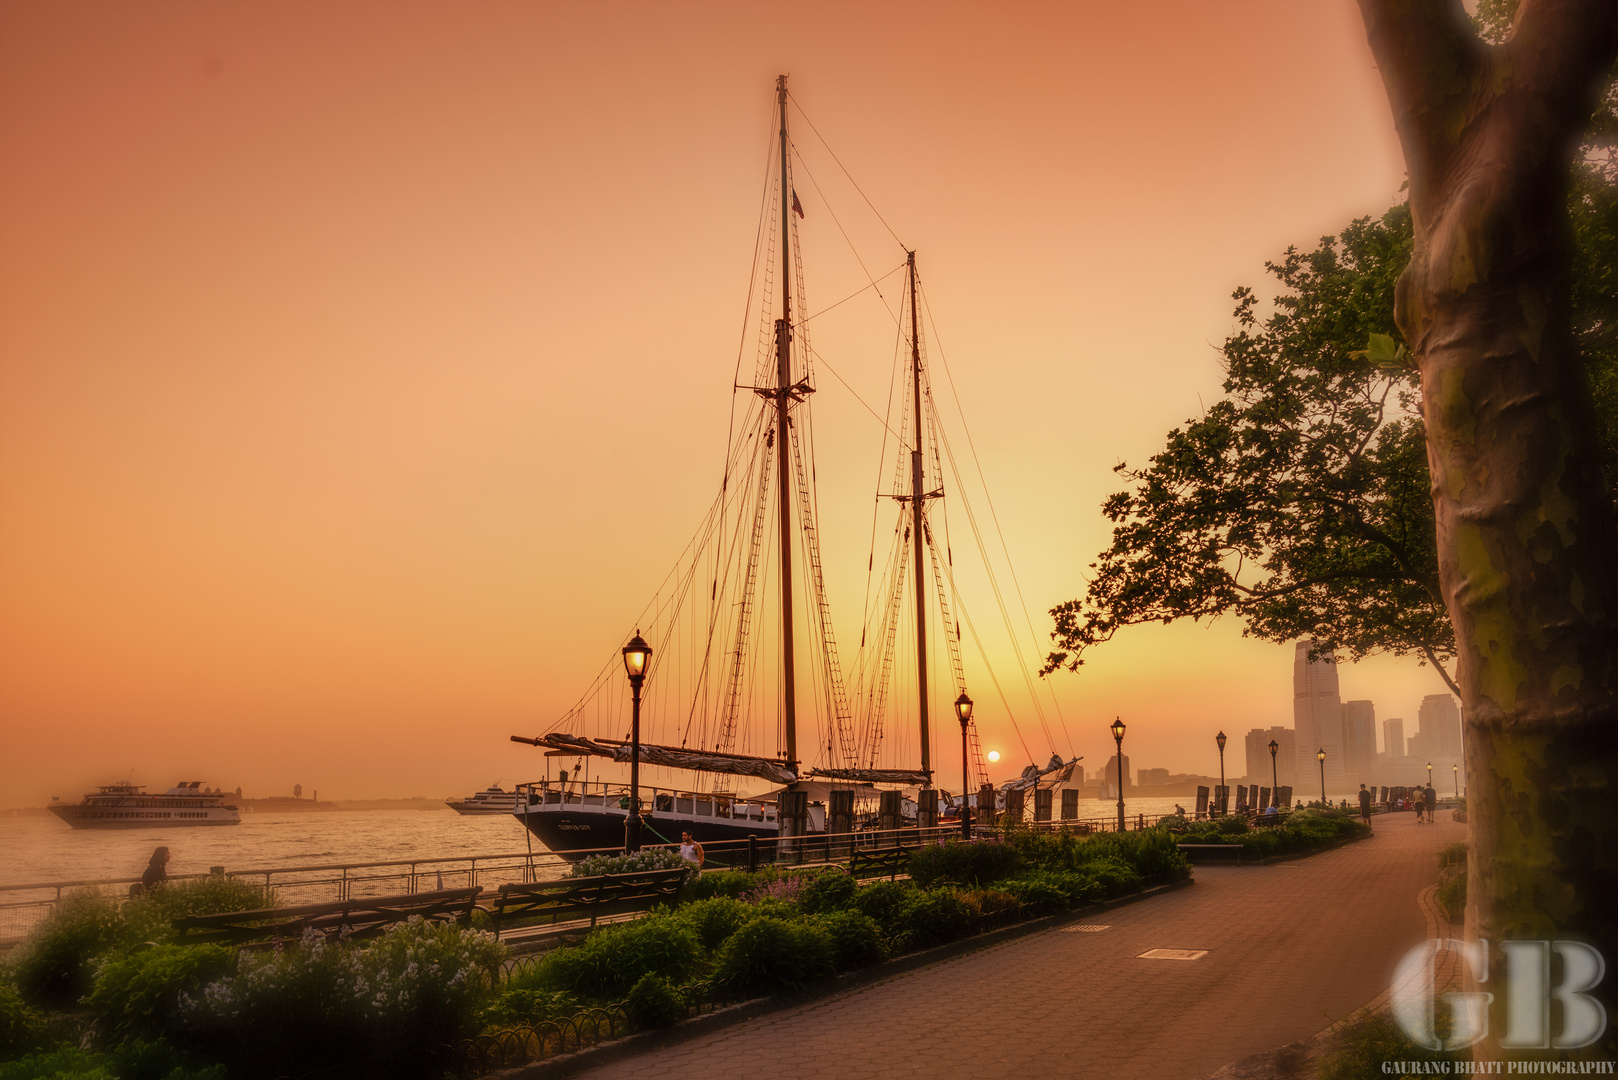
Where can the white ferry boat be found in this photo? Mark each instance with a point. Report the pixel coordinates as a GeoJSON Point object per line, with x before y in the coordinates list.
{"type": "Point", "coordinates": [491, 800]}
{"type": "Point", "coordinates": [126, 806]}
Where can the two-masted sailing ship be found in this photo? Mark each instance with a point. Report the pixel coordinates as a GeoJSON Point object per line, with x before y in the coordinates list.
{"type": "Point", "coordinates": [713, 708]}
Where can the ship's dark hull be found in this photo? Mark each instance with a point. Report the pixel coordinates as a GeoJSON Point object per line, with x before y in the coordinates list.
{"type": "Point", "coordinates": [574, 831]}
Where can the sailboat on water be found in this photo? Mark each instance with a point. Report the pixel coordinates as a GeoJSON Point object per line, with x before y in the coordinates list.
{"type": "Point", "coordinates": [735, 726]}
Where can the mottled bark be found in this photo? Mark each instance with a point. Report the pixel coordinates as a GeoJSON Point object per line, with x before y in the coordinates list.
{"type": "Point", "coordinates": [1528, 553]}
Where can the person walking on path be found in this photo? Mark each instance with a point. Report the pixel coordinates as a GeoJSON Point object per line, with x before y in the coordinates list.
{"type": "Point", "coordinates": [1431, 798]}
{"type": "Point", "coordinates": [690, 850]}
{"type": "Point", "coordinates": [1420, 805]}
{"type": "Point", "coordinates": [1365, 804]}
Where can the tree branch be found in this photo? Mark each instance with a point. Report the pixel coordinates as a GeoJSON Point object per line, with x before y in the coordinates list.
{"type": "Point", "coordinates": [1430, 60]}
{"type": "Point", "coordinates": [1553, 47]}
{"type": "Point", "coordinates": [1432, 658]}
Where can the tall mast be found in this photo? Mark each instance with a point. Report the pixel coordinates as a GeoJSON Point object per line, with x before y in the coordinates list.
{"type": "Point", "coordinates": [917, 496]}
{"type": "Point", "coordinates": [783, 391]}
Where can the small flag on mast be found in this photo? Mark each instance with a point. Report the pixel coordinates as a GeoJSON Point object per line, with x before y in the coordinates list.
{"type": "Point", "coordinates": [797, 207]}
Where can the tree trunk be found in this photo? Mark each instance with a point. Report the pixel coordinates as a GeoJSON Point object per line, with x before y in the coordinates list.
{"type": "Point", "coordinates": [1527, 546]}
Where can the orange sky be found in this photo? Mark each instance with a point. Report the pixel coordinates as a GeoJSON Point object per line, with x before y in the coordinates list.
{"type": "Point", "coordinates": [364, 367]}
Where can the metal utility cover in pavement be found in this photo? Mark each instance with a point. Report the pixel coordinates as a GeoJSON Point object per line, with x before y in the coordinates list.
{"type": "Point", "coordinates": [1083, 928]}
{"type": "Point", "coordinates": [1173, 954]}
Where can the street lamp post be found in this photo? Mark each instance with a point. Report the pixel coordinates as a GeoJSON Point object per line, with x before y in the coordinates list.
{"type": "Point", "coordinates": [963, 710]}
{"type": "Point", "coordinates": [1118, 737]}
{"type": "Point", "coordinates": [1429, 774]}
{"type": "Point", "coordinates": [1456, 771]}
{"type": "Point", "coordinates": [1275, 777]}
{"type": "Point", "coordinates": [1219, 795]}
{"type": "Point", "coordinates": [636, 656]}
{"type": "Point", "coordinates": [1322, 756]}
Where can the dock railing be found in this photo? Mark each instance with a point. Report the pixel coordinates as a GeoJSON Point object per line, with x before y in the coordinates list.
{"type": "Point", "coordinates": [24, 906]}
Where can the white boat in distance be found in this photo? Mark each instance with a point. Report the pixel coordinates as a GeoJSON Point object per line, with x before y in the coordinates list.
{"type": "Point", "coordinates": [491, 800]}
{"type": "Point", "coordinates": [126, 806]}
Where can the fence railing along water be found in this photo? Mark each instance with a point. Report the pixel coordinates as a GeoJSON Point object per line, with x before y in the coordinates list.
{"type": "Point", "coordinates": [23, 906]}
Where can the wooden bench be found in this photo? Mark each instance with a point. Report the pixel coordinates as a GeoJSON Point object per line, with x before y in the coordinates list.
{"type": "Point", "coordinates": [1269, 819]}
{"type": "Point", "coordinates": [574, 898]}
{"type": "Point", "coordinates": [353, 918]}
{"type": "Point", "coordinates": [875, 862]}
{"type": "Point", "coordinates": [1212, 853]}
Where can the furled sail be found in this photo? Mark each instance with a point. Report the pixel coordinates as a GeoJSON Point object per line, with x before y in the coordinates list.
{"type": "Point", "coordinates": [873, 776]}
{"type": "Point", "coordinates": [1032, 774]}
{"type": "Point", "coordinates": [673, 757]}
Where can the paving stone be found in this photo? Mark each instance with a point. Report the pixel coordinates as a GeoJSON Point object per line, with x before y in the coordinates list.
{"type": "Point", "coordinates": [1292, 948]}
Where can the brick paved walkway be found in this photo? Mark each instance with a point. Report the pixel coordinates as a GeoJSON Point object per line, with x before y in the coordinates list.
{"type": "Point", "coordinates": [1291, 947]}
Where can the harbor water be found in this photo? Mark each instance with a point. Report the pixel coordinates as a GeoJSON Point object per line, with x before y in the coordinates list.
{"type": "Point", "coordinates": [39, 848]}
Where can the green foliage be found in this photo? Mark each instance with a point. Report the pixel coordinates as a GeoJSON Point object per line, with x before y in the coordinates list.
{"type": "Point", "coordinates": [1360, 1049]}
{"type": "Point", "coordinates": [653, 1003]}
{"type": "Point", "coordinates": [884, 903]}
{"type": "Point", "coordinates": [963, 863]}
{"type": "Point", "coordinates": [639, 862]}
{"type": "Point", "coordinates": [611, 960]}
{"type": "Point", "coordinates": [1452, 855]}
{"type": "Point", "coordinates": [22, 1028]}
{"type": "Point", "coordinates": [733, 883]}
{"type": "Point", "coordinates": [138, 1061]}
{"type": "Point", "coordinates": [137, 995]}
{"type": "Point", "coordinates": [856, 939]}
{"type": "Point", "coordinates": [830, 889]}
{"type": "Point", "coordinates": [991, 908]}
{"type": "Point", "coordinates": [1151, 855]}
{"type": "Point", "coordinates": [1044, 892]}
{"type": "Point", "coordinates": [1451, 896]}
{"type": "Point", "coordinates": [715, 919]}
{"type": "Point", "coordinates": [55, 964]}
{"type": "Point", "coordinates": [931, 918]}
{"type": "Point", "coordinates": [769, 955]}
{"type": "Point", "coordinates": [1302, 831]}
{"type": "Point", "coordinates": [1300, 499]}
{"type": "Point", "coordinates": [149, 916]}
{"type": "Point", "coordinates": [530, 1006]}
{"type": "Point", "coordinates": [332, 1004]}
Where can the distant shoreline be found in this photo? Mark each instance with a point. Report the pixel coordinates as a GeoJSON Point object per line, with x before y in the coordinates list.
{"type": "Point", "coordinates": [287, 804]}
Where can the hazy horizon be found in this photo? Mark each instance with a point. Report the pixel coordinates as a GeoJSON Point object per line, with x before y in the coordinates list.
{"type": "Point", "coordinates": [364, 368]}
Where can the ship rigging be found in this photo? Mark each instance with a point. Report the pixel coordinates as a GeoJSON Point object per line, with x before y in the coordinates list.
{"type": "Point", "coordinates": [712, 625]}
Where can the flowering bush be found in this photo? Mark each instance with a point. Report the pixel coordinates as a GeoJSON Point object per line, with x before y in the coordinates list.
{"type": "Point", "coordinates": [784, 889]}
{"type": "Point", "coordinates": [137, 995]}
{"type": "Point", "coordinates": [417, 987]}
{"type": "Point", "coordinates": [639, 862]}
{"type": "Point", "coordinates": [56, 964]}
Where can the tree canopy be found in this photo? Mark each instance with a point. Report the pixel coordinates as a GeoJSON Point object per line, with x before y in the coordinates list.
{"type": "Point", "coordinates": [1301, 500]}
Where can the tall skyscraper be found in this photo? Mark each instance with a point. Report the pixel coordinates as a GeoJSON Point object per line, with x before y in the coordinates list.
{"type": "Point", "coordinates": [1442, 719]}
{"type": "Point", "coordinates": [1393, 737]}
{"type": "Point", "coordinates": [1359, 741]}
{"type": "Point", "coordinates": [1317, 716]}
{"type": "Point", "coordinates": [1109, 774]}
{"type": "Point", "coordinates": [1258, 756]}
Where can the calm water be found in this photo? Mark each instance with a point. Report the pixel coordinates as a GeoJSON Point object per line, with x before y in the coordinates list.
{"type": "Point", "coordinates": [41, 848]}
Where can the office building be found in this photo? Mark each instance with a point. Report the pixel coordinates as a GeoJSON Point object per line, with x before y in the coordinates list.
{"type": "Point", "coordinates": [1317, 716]}
{"type": "Point", "coordinates": [1286, 756]}
{"type": "Point", "coordinates": [1359, 742]}
{"type": "Point", "coordinates": [1393, 737]}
